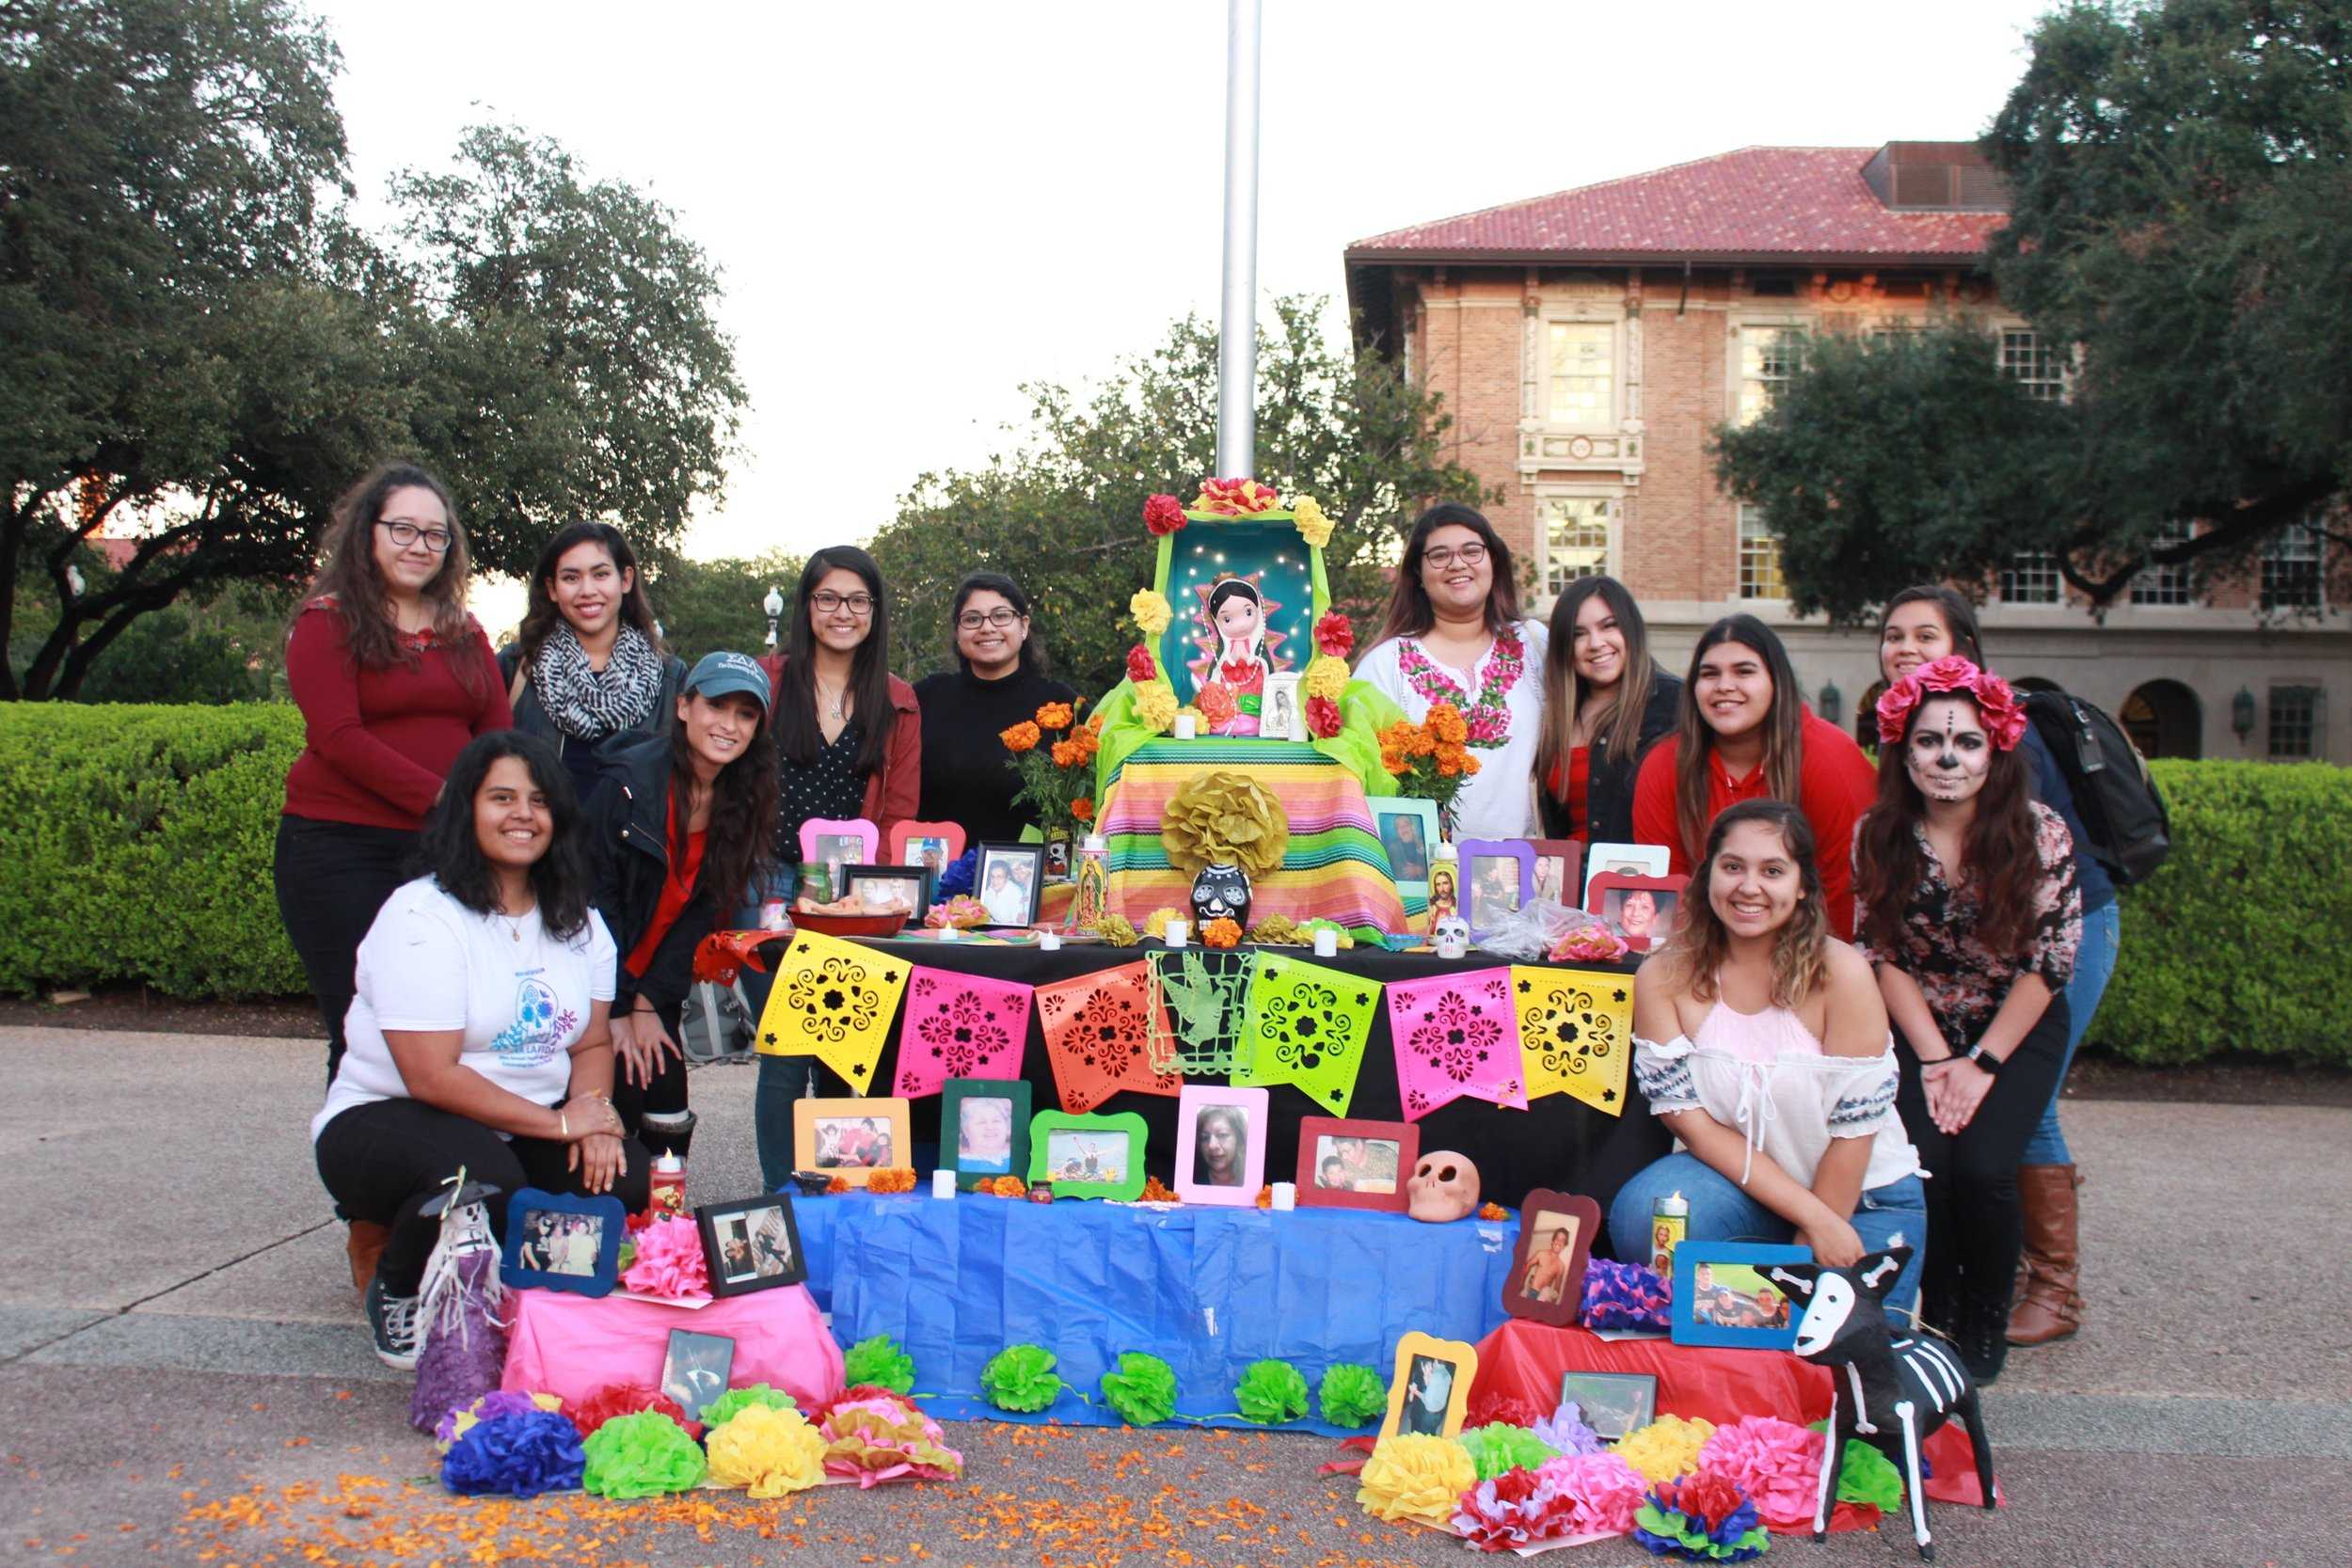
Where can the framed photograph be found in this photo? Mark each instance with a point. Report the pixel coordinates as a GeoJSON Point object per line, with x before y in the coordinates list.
{"type": "Point", "coordinates": [837, 846]}
{"type": "Point", "coordinates": [1285, 715]}
{"type": "Point", "coordinates": [1720, 1296]}
{"type": "Point", "coordinates": [1220, 1143]}
{"type": "Point", "coordinates": [1090, 1156]}
{"type": "Point", "coordinates": [1611, 1403]}
{"type": "Point", "coordinates": [1642, 909]}
{"type": "Point", "coordinates": [932, 847]}
{"type": "Point", "coordinates": [1008, 881]}
{"type": "Point", "coordinates": [1431, 1386]}
{"type": "Point", "coordinates": [560, 1243]}
{"type": "Point", "coordinates": [754, 1245]}
{"type": "Point", "coordinates": [1407, 829]}
{"type": "Point", "coordinates": [1559, 869]}
{"type": "Point", "coordinates": [1355, 1164]}
{"type": "Point", "coordinates": [1546, 1279]}
{"type": "Point", "coordinates": [881, 889]}
{"type": "Point", "coordinates": [850, 1138]}
{"type": "Point", "coordinates": [1500, 875]}
{"type": "Point", "coordinates": [1625, 860]}
{"type": "Point", "coordinates": [694, 1368]}
{"type": "Point", "coordinates": [984, 1128]}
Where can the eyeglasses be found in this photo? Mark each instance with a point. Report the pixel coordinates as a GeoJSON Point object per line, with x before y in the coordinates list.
{"type": "Point", "coordinates": [1468, 555]}
{"type": "Point", "coordinates": [406, 535]}
{"type": "Point", "coordinates": [856, 603]}
{"type": "Point", "coordinates": [972, 620]}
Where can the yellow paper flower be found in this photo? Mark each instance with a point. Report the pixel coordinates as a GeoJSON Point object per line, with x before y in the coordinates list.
{"type": "Point", "coordinates": [1417, 1479]}
{"type": "Point", "coordinates": [1151, 613]}
{"type": "Point", "coordinates": [1221, 817]}
{"type": "Point", "coordinates": [1155, 707]}
{"type": "Point", "coordinates": [1156, 924]}
{"type": "Point", "coordinates": [1667, 1447]}
{"type": "Point", "coordinates": [1325, 677]}
{"type": "Point", "coordinates": [770, 1451]}
{"type": "Point", "coordinates": [1314, 527]}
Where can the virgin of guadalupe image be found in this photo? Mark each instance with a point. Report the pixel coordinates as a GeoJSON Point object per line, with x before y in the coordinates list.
{"type": "Point", "coordinates": [1237, 641]}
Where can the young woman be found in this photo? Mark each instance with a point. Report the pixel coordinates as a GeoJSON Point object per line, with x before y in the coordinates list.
{"type": "Point", "coordinates": [587, 671]}
{"type": "Point", "coordinates": [1453, 634]}
{"type": "Point", "coordinates": [681, 830]}
{"type": "Point", "coordinates": [1919, 627]}
{"type": "Point", "coordinates": [478, 1036]}
{"type": "Point", "coordinates": [1965, 887]}
{"type": "Point", "coordinates": [1744, 733]}
{"type": "Point", "coordinates": [1606, 703]}
{"type": "Point", "coordinates": [999, 680]}
{"type": "Point", "coordinates": [1762, 1041]}
{"type": "Point", "coordinates": [393, 678]}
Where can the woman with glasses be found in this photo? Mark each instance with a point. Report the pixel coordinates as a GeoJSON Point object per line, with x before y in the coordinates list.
{"type": "Point", "coordinates": [1000, 680]}
{"type": "Point", "coordinates": [1453, 634]}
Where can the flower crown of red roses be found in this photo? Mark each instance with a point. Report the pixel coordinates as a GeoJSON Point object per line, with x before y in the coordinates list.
{"type": "Point", "coordinates": [2004, 715]}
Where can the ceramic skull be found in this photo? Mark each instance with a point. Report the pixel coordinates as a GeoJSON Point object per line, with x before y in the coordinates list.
{"type": "Point", "coordinates": [1451, 936]}
{"type": "Point", "coordinates": [1220, 892]}
{"type": "Point", "coordinates": [1444, 1186]}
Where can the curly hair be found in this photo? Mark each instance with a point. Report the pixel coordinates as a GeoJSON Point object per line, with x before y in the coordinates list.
{"type": "Point", "coordinates": [1700, 945]}
{"type": "Point", "coordinates": [355, 584]}
{"type": "Point", "coordinates": [450, 846]}
{"type": "Point", "coordinates": [2002, 861]}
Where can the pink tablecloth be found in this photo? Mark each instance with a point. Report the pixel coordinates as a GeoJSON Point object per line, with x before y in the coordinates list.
{"type": "Point", "coordinates": [572, 1346]}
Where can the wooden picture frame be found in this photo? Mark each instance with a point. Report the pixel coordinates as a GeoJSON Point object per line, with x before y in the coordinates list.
{"type": "Point", "coordinates": [1238, 1111]}
{"type": "Point", "coordinates": [1417, 848]}
{"type": "Point", "coordinates": [1645, 860]}
{"type": "Point", "coordinates": [959, 1092]}
{"type": "Point", "coordinates": [1546, 1280]}
{"type": "Point", "coordinates": [1409, 1407]}
{"type": "Point", "coordinates": [1712, 1311]}
{"type": "Point", "coordinates": [821, 844]}
{"type": "Point", "coordinates": [912, 880]}
{"type": "Point", "coordinates": [752, 1244]}
{"type": "Point", "coordinates": [1316, 1132]}
{"type": "Point", "coordinates": [1010, 856]}
{"type": "Point", "coordinates": [1559, 872]}
{"type": "Point", "coordinates": [528, 1256]}
{"type": "Point", "coordinates": [1483, 868]}
{"type": "Point", "coordinates": [810, 1122]}
{"type": "Point", "coordinates": [1607, 894]}
{"type": "Point", "coordinates": [1059, 1135]}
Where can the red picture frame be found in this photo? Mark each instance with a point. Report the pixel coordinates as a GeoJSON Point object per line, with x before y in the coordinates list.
{"type": "Point", "coordinates": [1570, 852]}
{"type": "Point", "coordinates": [1312, 1130]}
{"type": "Point", "coordinates": [1665, 892]}
{"type": "Point", "coordinates": [1562, 1298]}
{"type": "Point", "coordinates": [903, 834]}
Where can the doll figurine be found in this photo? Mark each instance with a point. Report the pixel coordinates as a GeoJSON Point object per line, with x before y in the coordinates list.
{"type": "Point", "coordinates": [1237, 615]}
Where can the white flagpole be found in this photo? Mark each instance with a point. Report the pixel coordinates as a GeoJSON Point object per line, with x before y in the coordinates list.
{"type": "Point", "coordinates": [1238, 326]}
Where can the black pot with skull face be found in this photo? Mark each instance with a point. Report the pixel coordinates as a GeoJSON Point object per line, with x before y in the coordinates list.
{"type": "Point", "coordinates": [1220, 893]}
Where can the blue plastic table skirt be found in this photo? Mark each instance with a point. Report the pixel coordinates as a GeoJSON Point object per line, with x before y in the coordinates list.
{"type": "Point", "coordinates": [1206, 1289]}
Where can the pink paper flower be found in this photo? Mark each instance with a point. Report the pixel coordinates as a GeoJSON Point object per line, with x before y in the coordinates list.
{"type": "Point", "coordinates": [1600, 1492]}
{"type": "Point", "coordinates": [669, 1261]}
{"type": "Point", "coordinates": [1776, 1463]}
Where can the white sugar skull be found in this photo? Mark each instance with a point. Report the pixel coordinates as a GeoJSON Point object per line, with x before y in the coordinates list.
{"type": "Point", "coordinates": [1451, 936]}
{"type": "Point", "coordinates": [1444, 1186]}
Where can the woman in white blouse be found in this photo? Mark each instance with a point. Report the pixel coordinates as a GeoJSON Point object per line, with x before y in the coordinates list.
{"type": "Point", "coordinates": [1453, 634]}
{"type": "Point", "coordinates": [1762, 1041]}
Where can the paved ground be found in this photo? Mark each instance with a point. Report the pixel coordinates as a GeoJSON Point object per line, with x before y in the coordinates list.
{"type": "Point", "coordinates": [184, 1379]}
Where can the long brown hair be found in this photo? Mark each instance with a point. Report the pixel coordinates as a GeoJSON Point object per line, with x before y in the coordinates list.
{"type": "Point", "coordinates": [799, 737]}
{"type": "Point", "coordinates": [353, 583]}
{"type": "Point", "coordinates": [540, 616]}
{"type": "Point", "coordinates": [1694, 741]}
{"type": "Point", "coordinates": [2004, 865]}
{"type": "Point", "coordinates": [1411, 613]}
{"type": "Point", "coordinates": [1697, 951]}
{"type": "Point", "coordinates": [738, 844]}
{"type": "Point", "coordinates": [1958, 614]}
{"type": "Point", "coordinates": [1563, 690]}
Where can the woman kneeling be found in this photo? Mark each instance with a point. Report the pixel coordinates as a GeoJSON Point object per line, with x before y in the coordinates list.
{"type": "Point", "coordinates": [1762, 1041]}
{"type": "Point", "coordinates": [479, 1035]}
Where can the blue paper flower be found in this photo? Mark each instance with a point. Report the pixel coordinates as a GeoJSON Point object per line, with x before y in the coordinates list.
{"type": "Point", "coordinates": [517, 1456]}
{"type": "Point", "coordinates": [958, 876]}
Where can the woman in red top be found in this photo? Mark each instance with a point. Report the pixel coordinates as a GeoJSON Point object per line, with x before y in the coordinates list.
{"type": "Point", "coordinates": [394, 678]}
{"type": "Point", "coordinates": [1606, 703]}
{"type": "Point", "coordinates": [1745, 734]}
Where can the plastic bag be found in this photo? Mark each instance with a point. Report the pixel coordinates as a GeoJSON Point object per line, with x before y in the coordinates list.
{"type": "Point", "coordinates": [1530, 932]}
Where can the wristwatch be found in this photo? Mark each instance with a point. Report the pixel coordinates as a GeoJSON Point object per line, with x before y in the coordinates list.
{"type": "Point", "coordinates": [1984, 1058]}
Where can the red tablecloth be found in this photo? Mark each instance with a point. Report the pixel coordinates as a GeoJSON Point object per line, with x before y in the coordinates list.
{"type": "Point", "coordinates": [572, 1346]}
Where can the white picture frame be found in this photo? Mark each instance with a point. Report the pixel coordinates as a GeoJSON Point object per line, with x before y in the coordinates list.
{"type": "Point", "coordinates": [1625, 860]}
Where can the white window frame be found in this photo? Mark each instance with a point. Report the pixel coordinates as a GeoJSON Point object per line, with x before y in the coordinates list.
{"type": "Point", "coordinates": [1610, 417]}
{"type": "Point", "coordinates": [2156, 587]}
{"type": "Point", "coordinates": [1613, 500]}
{"type": "Point", "coordinates": [2312, 721]}
{"type": "Point", "coordinates": [1763, 542]}
{"type": "Point", "coordinates": [2296, 545]}
{"type": "Point", "coordinates": [2037, 563]}
{"type": "Point", "coordinates": [1736, 380]}
{"type": "Point", "coordinates": [2046, 374]}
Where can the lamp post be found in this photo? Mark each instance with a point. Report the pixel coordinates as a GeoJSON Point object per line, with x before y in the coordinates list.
{"type": "Point", "coordinates": [1832, 702]}
{"type": "Point", "coordinates": [1237, 322]}
{"type": "Point", "coordinates": [2242, 713]}
{"type": "Point", "coordinates": [773, 605]}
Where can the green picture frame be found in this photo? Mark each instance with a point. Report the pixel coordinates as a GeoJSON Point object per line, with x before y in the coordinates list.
{"type": "Point", "coordinates": [1059, 1133]}
{"type": "Point", "coordinates": [969, 1171]}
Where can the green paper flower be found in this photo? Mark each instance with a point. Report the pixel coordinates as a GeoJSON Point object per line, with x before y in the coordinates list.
{"type": "Point", "coordinates": [1143, 1390]}
{"type": "Point", "coordinates": [1352, 1394]}
{"type": "Point", "coordinates": [731, 1403]}
{"type": "Point", "coordinates": [1500, 1447]}
{"type": "Point", "coordinates": [642, 1455]}
{"type": "Point", "coordinates": [1271, 1391]}
{"type": "Point", "coordinates": [1696, 1544]}
{"type": "Point", "coordinates": [880, 1362]}
{"type": "Point", "coordinates": [1020, 1377]}
{"type": "Point", "coordinates": [1866, 1476]}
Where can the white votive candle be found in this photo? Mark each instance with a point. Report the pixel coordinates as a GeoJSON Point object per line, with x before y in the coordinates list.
{"type": "Point", "coordinates": [1286, 1195]}
{"type": "Point", "coordinates": [1185, 728]}
{"type": "Point", "coordinates": [1327, 945]}
{"type": "Point", "coordinates": [943, 1184]}
{"type": "Point", "coordinates": [1179, 932]}
{"type": "Point", "coordinates": [1048, 942]}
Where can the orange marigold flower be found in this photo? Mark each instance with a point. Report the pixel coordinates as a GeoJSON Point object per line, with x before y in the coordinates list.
{"type": "Point", "coordinates": [1493, 1212]}
{"type": "Point", "coordinates": [839, 1184]}
{"type": "Point", "coordinates": [1082, 809]}
{"type": "Point", "coordinates": [1065, 753]}
{"type": "Point", "coordinates": [1393, 761]}
{"type": "Point", "coordinates": [1419, 743]}
{"type": "Point", "coordinates": [1446, 722]}
{"type": "Point", "coordinates": [1266, 1196]}
{"type": "Point", "coordinates": [1005, 1186]}
{"type": "Point", "coordinates": [1449, 767]}
{"type": "Point", "coordinates": [1054, 716]}
{"type": "Point", "coordinates": [1157, 1191]}
{"type": "Point", "coordinates": [1023, 736]}
{"type": "Point", "coordinates": [1221, 932]}
{"type": "Point", "coordinates": [891, 1178]}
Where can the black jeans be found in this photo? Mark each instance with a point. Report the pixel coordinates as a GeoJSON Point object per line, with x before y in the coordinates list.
{"type": "Point", "coordinates": [332, 877]}
{"type": "Point", "coordinates": [383, 1160]}
{"type": "Point", "coordinates": [1975, 1228]}
{"type": "Point", "coordinates": [662, 1098]}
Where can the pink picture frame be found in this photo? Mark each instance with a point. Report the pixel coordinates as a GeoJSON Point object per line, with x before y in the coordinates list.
{"type": "Point", "coordinates": [821, 844]}
{"type": "Point", "coordinates": [1229, 1116]}
{"type": "Point", "coordinates": [1607, 896]}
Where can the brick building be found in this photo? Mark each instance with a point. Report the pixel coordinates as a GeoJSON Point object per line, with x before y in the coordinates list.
{"type": "Point", "coordinates": [1587, 342]}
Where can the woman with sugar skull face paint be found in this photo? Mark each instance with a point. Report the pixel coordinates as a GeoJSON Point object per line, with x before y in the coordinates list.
{"type": "Point", "coordinates": [1967, 904]}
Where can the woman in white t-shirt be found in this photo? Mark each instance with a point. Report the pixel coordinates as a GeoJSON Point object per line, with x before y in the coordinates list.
{"type": "Point", "coordinates": [479, 1035]}
{"type": "Point", "coordinates": [1453, 634]}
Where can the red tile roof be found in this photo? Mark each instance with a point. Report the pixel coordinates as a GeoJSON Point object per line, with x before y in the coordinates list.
{"type": "Point", "coordinates": [1759, 201]}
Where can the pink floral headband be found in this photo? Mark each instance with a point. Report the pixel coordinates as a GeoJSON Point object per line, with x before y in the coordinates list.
{"type": "Point", "coordinates": [2004, 715]}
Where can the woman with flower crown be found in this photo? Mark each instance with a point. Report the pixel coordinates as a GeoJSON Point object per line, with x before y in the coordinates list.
{"type": "Point", "coordinates": [1967, 903]}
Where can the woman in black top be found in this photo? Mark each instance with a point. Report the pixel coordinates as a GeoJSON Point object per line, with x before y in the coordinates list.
{"type": "Point", "coordinates": [1605, 703]}
{"type": "Point", "coordinates": [1000, 681]}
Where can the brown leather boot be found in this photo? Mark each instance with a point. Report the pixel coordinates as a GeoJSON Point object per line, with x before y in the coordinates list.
{"type": "Point", "coordinates": [364, 1246]}
{"type": "Point", "coordinates": [2049, 1307]}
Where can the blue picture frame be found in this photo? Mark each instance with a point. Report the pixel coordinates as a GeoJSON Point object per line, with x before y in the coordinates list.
{"type": "Point", "coordinates": [523, 1255]}
{"type": "Point", "coordinates": [1714, 1314]}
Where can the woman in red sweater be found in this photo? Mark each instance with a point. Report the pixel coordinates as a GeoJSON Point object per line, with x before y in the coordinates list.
{"type": "Point", "coordinates": [393, 679]}
{"type": "Point", "coordinates": [1746, 735]}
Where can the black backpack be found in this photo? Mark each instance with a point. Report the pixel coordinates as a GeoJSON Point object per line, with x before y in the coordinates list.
{"type": "Point", "coordinates": [2121, 809]}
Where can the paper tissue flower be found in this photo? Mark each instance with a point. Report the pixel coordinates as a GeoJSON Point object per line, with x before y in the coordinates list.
{"type": "Point", "coordinates": [1507, 1511]}
{"type": "Point", "coordinates": [1667, 1447]}
{"type": "Point", "coordinates": [1139, 665]}
{"type": "Point", "coordinates": [519, 1454]}
{"type": "Point", "coordinates": [1703, 1517]}
{"type": "Point", "coordinates": [1314, 527]}
{"type": "Point", "coordinates": [1600, 1492]}
{"type": "Point", "coordinates": [1335, 635]}
{"type": "Point", "coordinates": [1020, 1377]}
{"type": "Point", "coordinates": [1271, 1391]}
{"type": "Point", "coordinates": [1156, 924]}
{"type": "Point", "coordinates": [1116, 931]}
{"type": "Point", "coordinates": [1351, 1394]}
{"type": "Point", "coordinates": [1221, 817]}
{"type": "Point", "coordinates": [1142, 1390]}
{"type": "Point", "coordinates": [1566, 1430]}
{"type": "Point", "coordinates": [1216, 704]}
{"type": "Point", "coordinates": [456, 1423]}
{"type": "Point", "coordinates": [1864, 1476]}
{"type": "Point", "coordinates": [1163, 514]}
{"type": "Point", "coordinates": [876, 1436]}
{"type": "Point", "coordinates": [1623, 1295]}
{"type": "Point", "coordinates": [669, 1261]}
{"type": "Point", "coordinates": [1326, 677]}
{"type": "Point", "coordinates": [1323, 720]}
{"type": "Point", "coordinates": [1155, 705]}
{"type": "Point", "coordinates": [642, 1456]}
{"type": "Point", "coordinates": [768, 1451]}
{"type": "Point", "coordinates": [1776, 1463]}
{"type": "Point", "coordinates": [1486, 1407]}
{"type": "Point", "coordinates": [1235, 498]}
{"type": "Point", "coordinates": [1415, 1479]}
{"type": "Point", "coordinates": [879, 1360]}
{"type": "Point", "coordinates": [1151, 613]}
{"type": "Point", "coordinates": [628, 1399]}
{"type": "Point", "coordinates": [734, 1401]}
{"type": "Point", "coordinates": [1501, 1447]}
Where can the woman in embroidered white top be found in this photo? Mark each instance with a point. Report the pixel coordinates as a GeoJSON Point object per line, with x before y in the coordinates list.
{"type": "Point", "coordinates": [1453, 634]}
{"type": "Point", "coordinates": [1762, 1041]}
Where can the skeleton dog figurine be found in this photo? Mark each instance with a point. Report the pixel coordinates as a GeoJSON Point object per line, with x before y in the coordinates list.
{"type": "Point", "coordinates": [1896, 1391]}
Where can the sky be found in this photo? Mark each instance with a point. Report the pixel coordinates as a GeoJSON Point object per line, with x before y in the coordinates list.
{"type": "Point", "coordinates": [919, 207]}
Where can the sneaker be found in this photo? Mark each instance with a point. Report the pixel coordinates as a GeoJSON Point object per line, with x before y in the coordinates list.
{"type": "Point", "coordinates": [392, 1321]}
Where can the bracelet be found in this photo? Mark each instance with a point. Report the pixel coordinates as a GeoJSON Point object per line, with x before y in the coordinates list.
{"type": "Point", "coordinates": [563, 1126]}
{"type": "Point", "coordinates": [1985, 1059]}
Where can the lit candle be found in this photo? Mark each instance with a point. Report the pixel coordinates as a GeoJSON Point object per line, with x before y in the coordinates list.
{"type": "Point", "coordinates": [1048, 942]}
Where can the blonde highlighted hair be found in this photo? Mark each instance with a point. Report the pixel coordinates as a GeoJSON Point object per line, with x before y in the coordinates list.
{"type": "Point", "coordinates": [1700, 945]}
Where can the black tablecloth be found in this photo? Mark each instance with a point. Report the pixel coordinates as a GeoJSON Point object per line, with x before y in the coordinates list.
{"type": "Point", "coordinates": [1557, 1142]}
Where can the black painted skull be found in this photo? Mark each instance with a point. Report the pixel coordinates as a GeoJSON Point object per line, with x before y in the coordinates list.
{"type": "Point", "coordinates": [1220, 893]}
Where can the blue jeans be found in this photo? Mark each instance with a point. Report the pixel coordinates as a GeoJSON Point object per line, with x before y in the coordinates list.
{"type": "Point", "coordinates": [1721, 1212]}
{"type": "Point", "coordinates": [782, 1079]}
{"type": "Point", "coordinates": [2094, 965]}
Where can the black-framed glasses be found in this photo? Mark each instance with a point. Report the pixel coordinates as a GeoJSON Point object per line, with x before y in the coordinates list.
{"type": "Point", "coordinates": [404, 535]}
{"type": "Point", "coordinates": [828, 602]}
{"type": "Point", "coordinates": [1001, 617]}
{"type": "Point", "coordinates": [1442, 557]}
